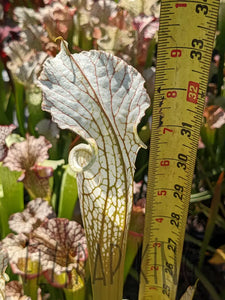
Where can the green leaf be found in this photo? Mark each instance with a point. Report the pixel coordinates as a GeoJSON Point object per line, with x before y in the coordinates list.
{"type": "Point", "coordinates": [3, 97]}
{"type": "Point", "coordinates": [13, 138]}
{"type": "Point", "coordinates": [68, 195]}
{"type": "Point", "coordinates": [19, 101]}
{"type": "Point", "coordinates": [33, 99]}
{"type": "Point", "coordinates": [54, 164]}
{"type": "Point", "coordinates": [208, 136]}
{"type": "Point", "coordinates": [4, 227]}
{"type": "Point", "coordinates": [198, 197]}
{"type": "Point", "coordinates": [12, 200]}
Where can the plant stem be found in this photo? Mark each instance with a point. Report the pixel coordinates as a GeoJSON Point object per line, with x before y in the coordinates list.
{"type": "Point", "coordinates": [75, 295]}
{"type": "Point", "coordinates": [11, 190]}
{"type": "Point", "coordinates": [107, 277]}
{"type": "Point", "coordinates": [211, 220]}
{"type": "Point", "coordinates": [201, 168]}
{"type": "Point", "coordinates": [68, 195]}
{"type": "Point", "coordinates": [19, 102]}
{"type": "Point", "coordinates": [151, 50]}
{"type": "Point", "coordinates": [30, 288]}
{"type": "Point", "coordinates": [3, 221]}
{"type": "Point", "coordinates": [133, 244]}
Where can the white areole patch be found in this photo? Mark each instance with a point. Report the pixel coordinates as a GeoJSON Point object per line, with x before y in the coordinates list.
{"type": "Point", "coordinates": [111, 211]}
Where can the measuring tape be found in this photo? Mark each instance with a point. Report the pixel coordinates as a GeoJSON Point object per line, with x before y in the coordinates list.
{"type": "Point", "coordinates": [186, 38]}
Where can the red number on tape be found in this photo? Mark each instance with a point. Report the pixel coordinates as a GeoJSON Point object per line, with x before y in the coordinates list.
{"type": "Point", "coordinates": [159, 220]}
{"type": "Point", "coordinates": [192, 92]}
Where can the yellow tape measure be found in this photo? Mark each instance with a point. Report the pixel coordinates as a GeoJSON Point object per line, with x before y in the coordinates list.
{"type": "Point", "coordinates": [186, 38]}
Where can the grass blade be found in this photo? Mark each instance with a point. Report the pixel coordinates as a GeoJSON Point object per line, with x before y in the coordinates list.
{"type": "Point", "coordinates": [211, 219]}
